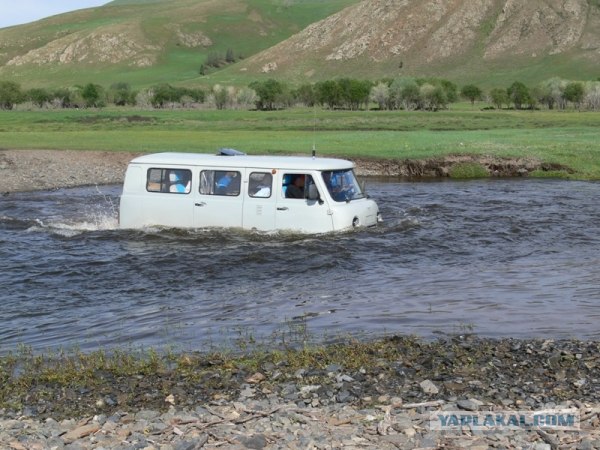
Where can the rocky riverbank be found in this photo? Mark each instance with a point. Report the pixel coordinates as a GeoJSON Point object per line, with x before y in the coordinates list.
{"type": "Point", "coordinates": [32, 170]}
{"type": "Point", "coordinates": [372, 395]}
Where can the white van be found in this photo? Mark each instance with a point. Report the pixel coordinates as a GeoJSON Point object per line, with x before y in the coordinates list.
{"type": "Point", "coordinates": [265, 193]}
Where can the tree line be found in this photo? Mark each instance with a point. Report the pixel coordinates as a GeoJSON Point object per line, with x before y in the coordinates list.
{"type": "Point", "coordinates": [402, 93]}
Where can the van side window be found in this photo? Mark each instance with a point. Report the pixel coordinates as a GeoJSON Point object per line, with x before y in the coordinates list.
{"type": "Point", "coordinates": [220, 182]}
{"type": "Point", "coordinates": [260, 184]}
{"type": "Point", "coordinates": [295, 185]}
{"type": "Point", "coordinates": [177, 181]}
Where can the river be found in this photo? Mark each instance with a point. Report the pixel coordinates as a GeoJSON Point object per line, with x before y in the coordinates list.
{"type": "Point", "coordinates": [499, 258]}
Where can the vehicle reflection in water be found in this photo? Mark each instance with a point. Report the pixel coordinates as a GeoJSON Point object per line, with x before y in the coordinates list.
{"type": "Point", "coordinates": [495, 257]}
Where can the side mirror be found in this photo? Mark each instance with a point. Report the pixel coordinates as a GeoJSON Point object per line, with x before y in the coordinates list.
{"type": "Point", "coordinates": [313, 192]}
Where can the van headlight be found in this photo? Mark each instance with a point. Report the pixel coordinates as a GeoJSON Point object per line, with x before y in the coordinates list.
{"type": "Point", "coordinates": [355, 222]}
{"type": "Point", "coordinates": [379, 217]}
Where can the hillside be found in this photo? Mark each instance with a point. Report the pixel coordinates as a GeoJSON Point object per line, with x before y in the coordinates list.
{"type": "Point", "coordinates": [149, 41]}
{"type": "Point", "coordinates": [488, 41]}
{"type": "Point", "coordinates": [144, 42]}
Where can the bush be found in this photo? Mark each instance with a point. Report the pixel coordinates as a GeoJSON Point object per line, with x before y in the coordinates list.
{"type": "Point", "coordinates": [93, 96]}
{"type": "Point", "coordinates": [10, 94]}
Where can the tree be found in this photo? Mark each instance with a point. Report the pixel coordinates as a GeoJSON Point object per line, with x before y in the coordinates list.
{"type": "Point", "coordinates": [61, 98]}
{"type": "Point", "coordinates": [121, 94]}
{"type": "Point", "coordinates": [329, 93]}
{"type": "Point", "coordinates": [404, 93]}
{"type": "Point", "coordinates": [499, 97]}
{"type": "Point", "coordinates": [518, 94]}
{"type": "Point", "coordinates": [432, 97]}
{"type": "Point", "coordinates": [471, 92]}
{"type": "Point", "coordinates": [592, 95]}
{"type": "Point", "coordinates": [220, 96]}
{"type": "Point", "coordinates": [380, 94]}
{"type": "Point", "coordinates": [354, 93]}
{"type": "Point", "coordinates": [551, 92]}
{"type": "Point", "coordinates": [213, 59]}
{"type": "Point", "coordinates": [268, 92]}
{"type": "Point", "coordinates": [246, 97]}
{"type": "Point", "coordinates": [306, 95]}
{"type": "Point", "coordinates": [229, 57]}
{"type": "Point", "coordinates": [39, 96]}
{"type": "Point", "coordinates": [574, 93]}
{"type": "Point", "coordinates": [535, 95]}
{"type": "Point", "coordinates": [92, 95]}
{"type": "Point", "coordinates": [10, 94]}
{"type": "Point", "coordinates": [450, 90]}
{"type": "Point", "coordinates": [165, 94]}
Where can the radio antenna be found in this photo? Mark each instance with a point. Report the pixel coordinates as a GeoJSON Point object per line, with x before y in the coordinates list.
{"type": "Point", "coordinates": [314, 147]}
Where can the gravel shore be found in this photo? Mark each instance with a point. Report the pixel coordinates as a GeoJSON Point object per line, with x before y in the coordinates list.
{"type": "Point", "coordinates": [33, 170]}
{"type": "Point", "coordinates": [384, 400]}
{"type": "Point", "coordinates": [36, 170]}
{"type": "Point", "coordinates": [391, 396]}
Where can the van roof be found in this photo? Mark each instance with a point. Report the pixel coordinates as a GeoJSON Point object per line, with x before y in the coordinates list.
{"type": "Point", "coordinates": [242, 161]}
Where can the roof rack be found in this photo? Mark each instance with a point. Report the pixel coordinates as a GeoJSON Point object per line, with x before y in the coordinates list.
{"type": "Point", "coordinates": [229, 152]}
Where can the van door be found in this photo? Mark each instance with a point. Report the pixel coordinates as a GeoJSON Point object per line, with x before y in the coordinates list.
{"type": "Point", "coordinates": [295, 211]}
{"type": "Point", "coordinates": [259, 201]}
{"type": "Point", "coordinates": [219, 199]}
{"type": "Point", "coordinates": [167, 200]}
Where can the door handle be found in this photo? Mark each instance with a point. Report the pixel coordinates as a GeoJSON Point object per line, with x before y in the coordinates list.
{"type": "Point", "coordinates": [282, 208]}
{"type": "Point", "coordinates": [200, 204]}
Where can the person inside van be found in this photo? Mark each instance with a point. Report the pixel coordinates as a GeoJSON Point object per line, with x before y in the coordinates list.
{"type": "Point", "coordinates": [178, 181]}
{"type": "Point", "coordinates": [260, 184]}
{"type": "Point", "coordinates": [296, 189]}
{"type": "Point", "coordinates": [228, 184]}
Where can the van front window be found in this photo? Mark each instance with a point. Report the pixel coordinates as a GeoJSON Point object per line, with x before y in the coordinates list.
{"type": "Point", "coordinates": [342, 185]}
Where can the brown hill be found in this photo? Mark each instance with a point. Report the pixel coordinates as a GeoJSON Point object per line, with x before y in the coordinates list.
{"type": "Point", "coordinates": [148, 41]}
{"type": "Point", "coordinates": [455, 38]}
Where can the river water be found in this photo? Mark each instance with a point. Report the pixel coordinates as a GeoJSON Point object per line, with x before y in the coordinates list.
{"type": "Point", "coordinates": [498, 258]}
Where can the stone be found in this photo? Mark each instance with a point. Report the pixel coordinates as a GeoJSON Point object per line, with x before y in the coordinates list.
{"type": "Point", "coordinates": [81, 432]}
{"type": "Point", "coordinates": [256, 442]}
{"type": "Point", "coordinates": [428, 387]}
{"type": "Point", "coordinates": [255, 378]}
{"type": "Point", "coordinates": [469, 405]}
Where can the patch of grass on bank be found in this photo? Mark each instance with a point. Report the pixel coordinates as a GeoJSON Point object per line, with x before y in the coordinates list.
{"type": "Point", "coordinates": [79, 385]}
{"type": "Point", "coordinates": [467, 170]}
{"type": "Point", "coordinates": [564, 138]}
{"type": "Point", "coordinates": [551, 174]}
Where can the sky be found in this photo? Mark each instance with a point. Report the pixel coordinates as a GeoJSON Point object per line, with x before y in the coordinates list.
{"type": "Point", "coordinates": [16, 12]}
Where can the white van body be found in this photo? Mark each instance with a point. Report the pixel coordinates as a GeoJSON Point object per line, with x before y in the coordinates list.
{"type": "Point", "coordinates": [331, 200]}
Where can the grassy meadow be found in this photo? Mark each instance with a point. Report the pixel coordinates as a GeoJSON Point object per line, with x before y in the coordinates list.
{"type": "Point", "coordinates": [568, 138]}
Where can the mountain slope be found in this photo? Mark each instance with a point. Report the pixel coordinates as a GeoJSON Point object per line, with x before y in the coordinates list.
{"type": "Point", "coordinates": [147, 41]}
{"type": "Point", "coordinates": [460, 39]}
{"type": "Point", "coordinates": [143, 42]}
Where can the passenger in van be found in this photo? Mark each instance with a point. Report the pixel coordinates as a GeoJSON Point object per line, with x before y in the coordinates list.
{"type": "Point", "coordinates": [296, 189]}
{"type": "Point", "coordinates": [260, 185]}
{"type": "Point", "coordinates": [228, 184]}
{"type": "Point", "coordinates": [178, 182]}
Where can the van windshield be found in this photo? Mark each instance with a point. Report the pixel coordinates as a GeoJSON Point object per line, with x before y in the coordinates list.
{"type": "Point", "coordinates": [342, 185]}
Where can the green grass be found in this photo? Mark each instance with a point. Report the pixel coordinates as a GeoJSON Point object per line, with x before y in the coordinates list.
{"type": "Point", "coordinates": [468, 170]}
{"type": "Point", "coordinates": [566, 138]}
